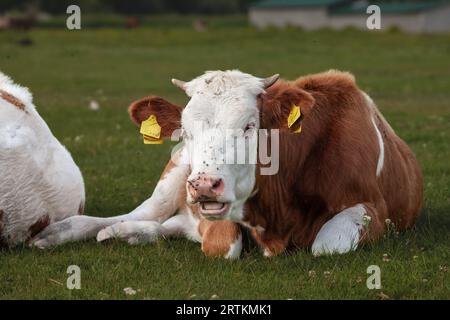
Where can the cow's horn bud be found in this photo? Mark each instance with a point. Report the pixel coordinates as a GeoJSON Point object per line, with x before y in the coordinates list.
{"type": "Point", "coordinates": [180, 84]}
{"type": "Point", "coordinates": [268, 82]}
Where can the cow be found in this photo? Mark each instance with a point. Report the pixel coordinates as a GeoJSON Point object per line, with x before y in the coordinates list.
{"type": "Point", "coordinates": [342, 174]}
{"type": "Point", "coordinates": [39, 181]}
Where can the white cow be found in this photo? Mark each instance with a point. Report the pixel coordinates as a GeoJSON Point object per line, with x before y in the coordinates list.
{"type": "Point", "coordinates": [39, 181]}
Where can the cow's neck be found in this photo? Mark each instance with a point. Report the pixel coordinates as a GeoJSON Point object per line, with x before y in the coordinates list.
{"type": "Point", "coordinates": [283, 204]}
{"type": "Point", "coordinates": [276, 197]}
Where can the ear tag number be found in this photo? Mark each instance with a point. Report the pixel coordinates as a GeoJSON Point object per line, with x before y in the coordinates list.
{"type": "Point", "coordinates": [151, 131]}
{"type": "Point", "coordinates": [294, 115]}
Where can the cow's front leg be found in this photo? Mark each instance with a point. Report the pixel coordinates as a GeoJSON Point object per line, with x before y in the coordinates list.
{"type": "Point", "coordinates": [74, 228]}
{"type": "Point", "coordinates": [135, 232]}
{"type": "Point", "coordinates": [163, 204]}
{"type": "Point", "coordinates": [348, 228]}
{"type": "Point", "coordinates": [218, 238]}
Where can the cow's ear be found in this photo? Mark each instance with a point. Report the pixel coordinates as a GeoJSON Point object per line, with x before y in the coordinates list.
{"type": "Point", "coordinates": [284, 106]}
{"type": "Point", "coordinates": [168, 115]}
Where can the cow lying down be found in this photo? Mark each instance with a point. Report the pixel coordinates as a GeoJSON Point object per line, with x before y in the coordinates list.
{"type": "Point", "coordinates": [39, 182]}
{"type": "Point", "coordinates": [342, 170]}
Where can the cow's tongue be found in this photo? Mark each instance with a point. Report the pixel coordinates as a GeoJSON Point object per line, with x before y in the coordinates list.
{"type": "Point", "coordinates": [212, 205]}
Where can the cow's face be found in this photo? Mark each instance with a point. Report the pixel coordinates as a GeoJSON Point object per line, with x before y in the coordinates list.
{"type": "Point", "coordinates": [219, 126]}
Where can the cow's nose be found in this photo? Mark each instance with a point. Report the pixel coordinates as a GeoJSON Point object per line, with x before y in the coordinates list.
{"type": "Point", "coordinates": [205, 187]}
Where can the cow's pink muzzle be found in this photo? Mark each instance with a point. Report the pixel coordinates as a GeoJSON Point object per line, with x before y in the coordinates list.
{"type": "Point", "coordinates": [205, 190]}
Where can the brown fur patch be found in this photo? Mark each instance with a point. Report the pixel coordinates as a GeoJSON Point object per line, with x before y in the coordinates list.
{"type": "Point", "coordinates": [218, 236]}
{"type": "Point", "coordinates": [277, 103]}
{"type": "Point", "coordinates": [331, 166]}
{"type": "Point", "coordinates": [39, 225]}
{"type": "Point", "coordinates": [11, 99]}
{"type": "Point", "coordinates": [81, 208]}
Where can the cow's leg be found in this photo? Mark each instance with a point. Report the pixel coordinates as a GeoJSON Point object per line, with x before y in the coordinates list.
{"type": "Point", "coordinates": [218, 238]}
{"type": "Point", "coordinates": [135, 232]}
{"type": "Point", "coordinates": [163, 203]}
{"type": "Point", "coordinates": [348, 228]}
{"type": "Point", "coordinates": [221, 238]}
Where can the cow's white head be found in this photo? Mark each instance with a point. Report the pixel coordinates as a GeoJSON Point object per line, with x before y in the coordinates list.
{"type": "Point", "coordinates": [219, 128]}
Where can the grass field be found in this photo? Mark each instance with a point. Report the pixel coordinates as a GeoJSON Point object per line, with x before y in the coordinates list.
{"type": "Point", "coordinates": [407, 75]}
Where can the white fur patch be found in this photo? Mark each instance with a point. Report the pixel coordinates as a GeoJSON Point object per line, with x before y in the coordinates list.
{"type": "Point", "coordinates": [134, 232]}
{"type": "Point", "coordinates": [341, 233]}
{"type": "Point", "coordinates": [219, 82]}
{"type": "Point", "coordinates": [183, 224]}
{"type": "Point", "coordinates": [39, 178]}
{"type": "Point", "coordinates": [380, 163]}
{"type": "Point", "coordinates": [164, 201]}
{"type": "Point", "coordinates": [222, 105]}
{"type": "Point", "coordinates": [267, 253]}
{"type": "Point", "coordinates": [374, 110]}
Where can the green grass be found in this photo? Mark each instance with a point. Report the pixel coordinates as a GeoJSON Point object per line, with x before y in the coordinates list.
{"type": "Point", "coordinates": [407, 75]}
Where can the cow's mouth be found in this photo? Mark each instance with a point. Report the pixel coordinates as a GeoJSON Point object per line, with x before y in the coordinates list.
{"type": "Point", "coordinates": [214, 209]}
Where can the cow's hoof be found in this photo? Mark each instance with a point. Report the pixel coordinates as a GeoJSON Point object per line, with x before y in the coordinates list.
{"type": "Point", "coordinates": [133, 232]}
{"type": "Point", "coordinates": [104, 234]}
{"type": "Point", "coordinates": [341, 233]}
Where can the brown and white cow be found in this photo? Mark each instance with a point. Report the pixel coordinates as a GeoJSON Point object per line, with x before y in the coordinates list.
{"type": "Point", "coordinates": [342, 170]}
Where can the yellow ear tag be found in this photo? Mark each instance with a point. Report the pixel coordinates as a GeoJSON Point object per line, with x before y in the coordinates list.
{"type": "Point", "coordinates": [149, 140]}
{"type": "Point", "coordinates": [151, 131]}
{"type": "Point", "coordinates": [294, 115]}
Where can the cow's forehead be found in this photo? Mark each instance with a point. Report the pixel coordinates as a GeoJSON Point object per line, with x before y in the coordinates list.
{"type": "Point", "coordinates": [219, 115]}
{"type": "Point", "coordinates": [222, 84]}
{"type": "Point", "coordinates": [222, 99]}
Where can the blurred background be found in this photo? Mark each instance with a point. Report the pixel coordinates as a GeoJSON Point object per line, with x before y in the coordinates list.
{"type": "Point", "coordinates": [112, 13]}
{"type": "Point", "coordinates": [407, 15]}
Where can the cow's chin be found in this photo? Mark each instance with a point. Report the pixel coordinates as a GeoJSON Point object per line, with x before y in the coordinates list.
{"type": "Point", "coordinates": [214, 210]}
